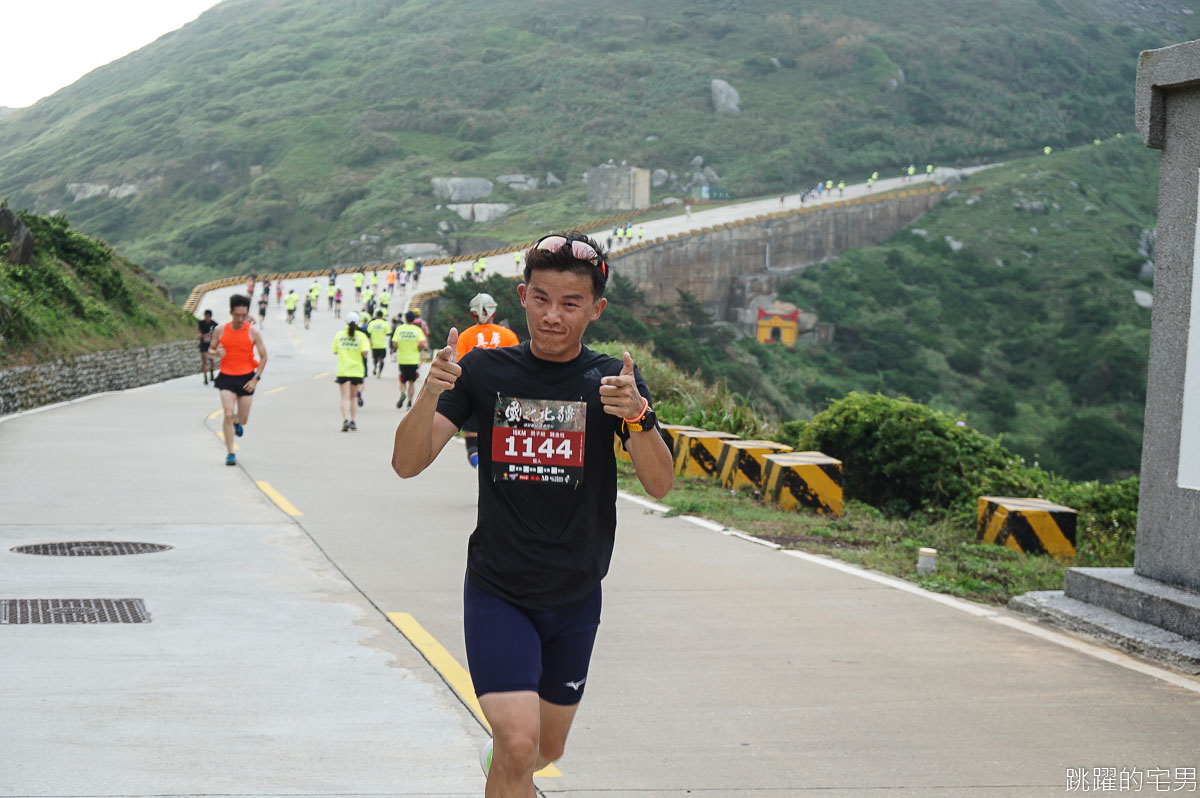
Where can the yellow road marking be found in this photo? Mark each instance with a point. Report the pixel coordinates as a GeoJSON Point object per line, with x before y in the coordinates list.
{"type": "Point", "coordinates": [277, 497]}
{"type": "Point", "coordinates": [214, 414]}
{"type": "Point", "coordinates": [277, 390]}
{"type": "Point", "coordinates": [322, 374]}
{"type": "Point", "coordinates": [455, 675]}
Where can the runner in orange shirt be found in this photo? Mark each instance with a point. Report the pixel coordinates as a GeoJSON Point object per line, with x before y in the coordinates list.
{"type": "Point", "coordinates": [240, 372]}
{"type": "Point", "coordinates": [484, 334]}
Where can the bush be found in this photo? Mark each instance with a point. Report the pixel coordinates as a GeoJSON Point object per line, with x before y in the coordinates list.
{"type": "Point", "coordinates": [901, 456]}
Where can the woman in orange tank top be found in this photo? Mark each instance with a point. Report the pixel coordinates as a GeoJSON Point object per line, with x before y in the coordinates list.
{"type": "Point", "coordinates": [240, 371]}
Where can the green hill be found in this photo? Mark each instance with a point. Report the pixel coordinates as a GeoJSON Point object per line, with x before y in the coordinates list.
{"type": "Point", "coordinates": [1012, 302]}
{"type": "Point", "coordinates": [77, 296]}
{"type": "Point", "coordinates": [270, 134]}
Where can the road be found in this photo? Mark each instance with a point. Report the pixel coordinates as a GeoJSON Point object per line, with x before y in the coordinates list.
{"type": "Point", "coordinates": [270, 666]}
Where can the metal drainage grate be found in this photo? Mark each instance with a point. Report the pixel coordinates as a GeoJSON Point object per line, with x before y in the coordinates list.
{"type": "Point", "coordinates": [14, 611]}
{"type": "Point", "coordinates": [90, 548]}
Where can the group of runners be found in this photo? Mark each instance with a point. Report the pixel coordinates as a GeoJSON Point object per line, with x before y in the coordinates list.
{"type": "Point", "coordinates": [543, 414]}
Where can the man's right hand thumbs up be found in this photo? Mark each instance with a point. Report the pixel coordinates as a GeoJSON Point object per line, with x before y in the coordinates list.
{"type": "Point", "coordinates": [444, 370]}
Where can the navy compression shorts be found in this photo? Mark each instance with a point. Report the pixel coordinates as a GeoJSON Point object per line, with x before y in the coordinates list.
{"type": "Point", "coordinates": [511, 649]}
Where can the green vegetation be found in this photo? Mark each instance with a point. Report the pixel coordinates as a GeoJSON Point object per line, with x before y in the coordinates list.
{"type": "Point", "coordinates": [78, 296]}
{"type": "Point", "coordinates": [272, 136]}
{"type": "Point", "coordinates": [912, 477]}
{"type": "Point", "coordinates": [1009, 305]}
{"type": "Point", "coordinates": [1029, 328]}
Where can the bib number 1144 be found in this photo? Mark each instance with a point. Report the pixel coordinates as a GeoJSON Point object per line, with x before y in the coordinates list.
{"type": "Point", "coordinates": [527, 448]}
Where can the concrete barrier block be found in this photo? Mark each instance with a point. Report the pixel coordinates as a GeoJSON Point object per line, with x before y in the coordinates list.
{"type": "Point", "coordinates": [670, 433]}
{"type": "Point", "coordinates": [696, 452]}
{"type": "Point", "coordinates": [809, 480]}
{"type": "Point", "coordinates": [1030, 526]}
{"type": "Point", "coordinates": [741, 462]}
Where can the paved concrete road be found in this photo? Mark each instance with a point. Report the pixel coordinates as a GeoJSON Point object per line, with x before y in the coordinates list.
{"type": "Point", "coordinates": [722, 668]}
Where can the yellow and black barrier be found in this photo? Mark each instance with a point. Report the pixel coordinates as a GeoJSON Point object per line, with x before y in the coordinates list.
{"type": "Point", "coordinates": [696, 452]}
{"type": "Point", "coordinates": [1030, 526]}
{"type": "Point", "coordinates": [741, 462]}
{"type": "Point", "coordinates": [809, 480]}
{"type": "Point", "coordinates": [668, 432]}
{"type": "Point", "coordinates": [671, 431]}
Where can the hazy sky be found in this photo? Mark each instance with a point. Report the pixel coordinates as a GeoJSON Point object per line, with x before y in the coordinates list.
{"type": "Point", "coordinates": [49, 44]}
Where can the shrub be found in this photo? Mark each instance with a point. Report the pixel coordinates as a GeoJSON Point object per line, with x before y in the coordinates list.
{"type": "Point", "coordinates": [901, 456]}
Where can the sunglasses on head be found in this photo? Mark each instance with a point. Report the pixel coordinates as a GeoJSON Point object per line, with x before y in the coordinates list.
{"type": "Point", "coordinates": [580, 250]}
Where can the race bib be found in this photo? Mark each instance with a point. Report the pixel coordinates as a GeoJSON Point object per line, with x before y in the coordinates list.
{"type": "Point", "coordinates": [538, 440]}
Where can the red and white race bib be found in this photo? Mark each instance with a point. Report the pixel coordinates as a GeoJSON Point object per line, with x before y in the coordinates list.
{"type": "Point", "coordinates": [538, 440]}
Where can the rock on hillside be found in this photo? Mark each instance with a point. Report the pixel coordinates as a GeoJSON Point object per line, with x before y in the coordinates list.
{"type": "Point", "coordinates": [725, 98]}
{"type": "Point", "coordinates": [461, 189]}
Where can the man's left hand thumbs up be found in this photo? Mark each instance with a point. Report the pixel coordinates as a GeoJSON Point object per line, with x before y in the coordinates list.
{"type": "Point", "coordinates": [619, 394]}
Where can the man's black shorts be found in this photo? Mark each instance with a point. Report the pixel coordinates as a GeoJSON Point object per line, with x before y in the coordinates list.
{"type": "Point", "coordinates": [409, 373]}
{"type": "Point", "coordinates": [233, 382]}
{"type": "Point", "coordinates": [379, 354]}
{"type": "Point", "coordinates": [204, 345]}
{"type": "Point", "coordinates": [351, 380]}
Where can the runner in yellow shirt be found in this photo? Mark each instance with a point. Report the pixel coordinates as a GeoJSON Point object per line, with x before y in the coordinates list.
{"type": "Point", "coordinates": [378, 331]}
{"type": "Point", "coordinates": [290, 302]}
{"type": "Point", "coordinates": [358, 284]}
{"type": "Point", "coordinates": [409, 340]}
{"type": "Point", "coordinates": [351, 346]}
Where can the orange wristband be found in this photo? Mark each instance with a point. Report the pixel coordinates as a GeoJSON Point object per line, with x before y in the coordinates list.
{"type": "Point", "coordinates": [641, 415]}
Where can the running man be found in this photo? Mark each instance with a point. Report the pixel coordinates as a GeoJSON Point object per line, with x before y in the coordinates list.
{"type": "Point", "coordinates": [263, 302]}
{"type": "Point", "coordinates": [542, 542]}
{"type": "Point", "coordinates": [378, 331]}
{"type": "Point", "coordinates": [358, 284]}
{"type": "Point", "coordinates": [330, 293]}
{"type": "Point", "coordinates": [206, 326]}
{"type": "Point", "coordinates": [290, 302]}
{"type": "Point", "coordinates": [278, 292]}
{"type": "Point", "coordinates": [240, 372]}
{"type": "Point", "coordinates": [483, 334]}
{"type": "Point", "coordinates": [308, 309]}
{"type": "Point", "coordinates": [351, 347]}
{"type": "Point", "coordinates": [408, 340]}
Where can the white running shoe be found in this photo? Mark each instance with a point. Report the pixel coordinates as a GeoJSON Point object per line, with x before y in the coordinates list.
{"type": "Point", "coordinates": [485, 756]}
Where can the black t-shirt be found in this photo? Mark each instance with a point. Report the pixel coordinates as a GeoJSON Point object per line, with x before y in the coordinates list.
{"type": "Point", "coordinates": [543, 539]}
{"type": "Point", "coordinates": [206, 327]}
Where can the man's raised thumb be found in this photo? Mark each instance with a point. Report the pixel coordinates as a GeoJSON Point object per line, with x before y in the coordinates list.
{"type": "Point", "coordinates": [452, 344]}
{"type": "Point", "coordinates": [627, 369]}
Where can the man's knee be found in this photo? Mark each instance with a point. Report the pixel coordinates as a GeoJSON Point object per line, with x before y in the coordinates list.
{"type": "Point", "coordinates": [516, 751]}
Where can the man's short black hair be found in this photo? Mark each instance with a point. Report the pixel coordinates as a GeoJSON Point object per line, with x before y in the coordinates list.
{"type": "Point", "coordinates": [239, 301]}
{"type": "Point", "coordinates": [208, 313]}
{"type": "Point", "coordinates": [564, 261]}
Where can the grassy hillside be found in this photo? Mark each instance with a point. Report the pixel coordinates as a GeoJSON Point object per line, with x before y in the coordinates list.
{"type": "Point", "coordinates": [270, 134]}
{"type": "Point", "coordinates": [78, 296]}
{"type": "Point", "coordinates": [1012, 301]}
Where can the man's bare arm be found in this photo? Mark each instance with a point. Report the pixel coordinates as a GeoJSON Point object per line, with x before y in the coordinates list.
{"type": "Point", "coordinates": [424, 432]}
{"type": "Point", "coordinates": [648, 451]}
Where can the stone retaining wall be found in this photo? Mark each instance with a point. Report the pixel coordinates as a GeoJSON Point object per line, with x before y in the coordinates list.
{"type": "Point", "coordinates": [25, 387]}
{"type": "Point", "coordinates": [724, 267]}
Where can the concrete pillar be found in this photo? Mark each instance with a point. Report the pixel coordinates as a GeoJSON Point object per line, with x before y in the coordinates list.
{"type": "Point", "coordinates": [1154, 608]}
{"type": "Point", "coordinates": [1168, 118]}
